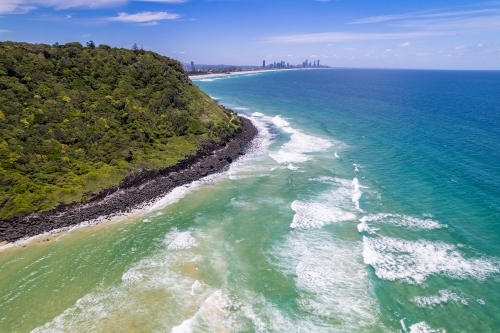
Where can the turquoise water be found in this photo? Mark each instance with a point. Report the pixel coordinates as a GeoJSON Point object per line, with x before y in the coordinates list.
{"type": "Point", "coordinates": [369, 203]}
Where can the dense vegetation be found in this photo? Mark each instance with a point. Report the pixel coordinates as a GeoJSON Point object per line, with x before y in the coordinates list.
{"type": "Point", "coordinates": [75, 120]}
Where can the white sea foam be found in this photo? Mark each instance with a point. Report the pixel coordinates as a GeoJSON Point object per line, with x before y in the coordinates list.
{"type": "Point", "coordinates": [445, 296]}
{"type": "Point", "coordinates": [257, 114]}
{"type": "Point", "coordinates": [332, 281]}
{"type": "Point", "coordinates": [280, 122]}
{"type": "Point", "coordinates": [414, 261]}
{"type": "Point", "coordinates": [165, 279]}
{"type": "Point", "coordinates": [317, 214]}
{"type": "Point", "coordinates": [336, 155]}
{"type": "Point", "coordinates": [182, 240]}
{"type": "Point", "coordinates": [401, 220]}
{"type": "Point", "coordinates": [299, 147]}
{"type": "Point", "coordinates": [214, 313]}
{"type": "Point", "coordinates": [195, 287]}
{"type": "Point", "coordinates": [364, 227]}
{"type": "Point", "coordinates": [356, 193]}
{"type": "Point", "coordinates": [422, 327]}
{"type": "Point", "coordinates": [338, 204]}
{"type": "Point", "coordinates": [131, 276]}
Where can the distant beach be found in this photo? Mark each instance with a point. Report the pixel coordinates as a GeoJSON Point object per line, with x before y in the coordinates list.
{"type": "Point", "coordinates": [211, 75]}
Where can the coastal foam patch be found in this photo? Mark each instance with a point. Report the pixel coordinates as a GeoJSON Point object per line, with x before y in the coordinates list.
{"type": "Point", "coordinates": [131, 276]}
{"type": "Point", "coordinates": [316, 215]}
{"type": "Point", "coordinates": [445, 296]}
{"type": "Point", "coordinates": [356, 193]}
{"type": "Point", "coordinates": [413, 261]}
{"type": "Point", "coordinates": [339, 203]}
{"type": "Point", "coordinates": [179, 240]}
{"type": "Point", "coordinates": [214, 314]}
{"type": "Point", "coordinates": [280, 122]}
{"type": "Point", "coordinates": [401, 220]}
{"type": "Point", "coordinates": [167, 279]}
{"type": "Point", "coordinates": [329, 293]}
{"type": "Point", "coordinates": [300, 145]}
{"type": "Point", "coordinates": [422, 327]}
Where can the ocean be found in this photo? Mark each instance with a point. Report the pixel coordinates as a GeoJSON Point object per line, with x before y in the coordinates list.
{"type": "Point", "coordinates": [370, 202]}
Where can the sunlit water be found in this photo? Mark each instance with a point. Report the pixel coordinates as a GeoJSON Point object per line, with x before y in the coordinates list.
{"type": "Point", "coordinates": [369, 203]}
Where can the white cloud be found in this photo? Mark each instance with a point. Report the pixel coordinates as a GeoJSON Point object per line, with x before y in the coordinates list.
{"type": "Point", "coordinates": [456, 25]}
{"type": "Point", "coordinates": [460, 13]}
{"type": "Point", "coordinates": [14, 7]}
{"type": "Point", "coordinates": [480, 45]}
{"type": "Point", "coordinates": [324, 37]}
{"type": "Point", "coordinates": [388, 50]}
{"type": "Point", "coordinates": [143, 17]}
{"type": "Point", "coordinates": [68, 16]}
{"type": "Point", "coordinates": [24, 6]}
{"type": "Point", "coordinates": [421, 54]}
{"type": "Point", "coordinates": [407, 26]}
{"type": "Point", "coordinates": [460, 47]}
{"type": "Point", "coordinates": [381, 18]}
{"type": "Point", "coordinates": [420, 14]}
{"type": "Point", "coordinates": [179, 52]}
{"type": "Point", "coordinates": [404, 44]}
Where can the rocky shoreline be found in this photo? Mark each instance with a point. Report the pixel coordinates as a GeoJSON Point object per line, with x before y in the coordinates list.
{"type": "Point", "coordinates": [135, 190]}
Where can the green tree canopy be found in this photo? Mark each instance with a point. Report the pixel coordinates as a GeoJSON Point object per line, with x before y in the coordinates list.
{"type": "Point", "coordinates": [75, 120]}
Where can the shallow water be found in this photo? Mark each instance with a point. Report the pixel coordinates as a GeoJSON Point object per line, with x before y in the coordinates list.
{"type": "Point", "coordinates": [370, 203]}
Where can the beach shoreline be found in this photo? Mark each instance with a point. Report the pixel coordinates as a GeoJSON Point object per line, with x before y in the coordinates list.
{"type": "Point", "coordinates": [212, 75]}
{"type": "Point", "coordinates": [134, 192]}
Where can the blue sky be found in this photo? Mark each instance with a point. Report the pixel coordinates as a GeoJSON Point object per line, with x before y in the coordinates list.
{"type": "Point", "coordinates": [389, 34]}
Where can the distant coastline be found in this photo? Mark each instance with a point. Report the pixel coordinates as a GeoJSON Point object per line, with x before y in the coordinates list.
{"type": "Point", "coordinates": [259, 71]}
{"type": "Point", "coordinates": [135, 191]}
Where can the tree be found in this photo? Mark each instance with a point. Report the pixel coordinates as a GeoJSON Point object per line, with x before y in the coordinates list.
{"type": "Point", "coordinates": [91, 45]}
{"type": "Point", "coordinates": [135, 48]}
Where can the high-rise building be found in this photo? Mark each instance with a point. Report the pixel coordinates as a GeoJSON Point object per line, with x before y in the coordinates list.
{"type": "Point", "coordinates": [282, 64]}
{"type": "Point", "coordinates": [263, 64]}
{"type": "Point", "coordinates": [318, 62]}
{"type": "Point", "coordinates": [192, 66]}
{"type": "Point", "coordinates": [314, 63]}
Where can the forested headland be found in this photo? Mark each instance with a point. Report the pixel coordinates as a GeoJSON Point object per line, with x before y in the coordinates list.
{"type": "Point", "coordinates": [77, 119]}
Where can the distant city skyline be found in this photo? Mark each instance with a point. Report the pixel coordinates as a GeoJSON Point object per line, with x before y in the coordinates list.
{"type": "Point", "coordinates": [438, 34]}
